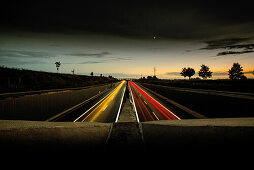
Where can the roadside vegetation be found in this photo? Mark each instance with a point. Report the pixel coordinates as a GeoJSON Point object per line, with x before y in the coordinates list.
{"type": "Point", "coordinates": [13, 80]}
{"type": "Point", "coordinates": [237, 81]}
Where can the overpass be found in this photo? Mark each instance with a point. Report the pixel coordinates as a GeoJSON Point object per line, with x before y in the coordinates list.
{"type": "Point", "coordinates": [128, 134]}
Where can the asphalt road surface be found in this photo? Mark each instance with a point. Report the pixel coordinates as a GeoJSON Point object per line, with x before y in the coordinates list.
{"type": "Point", "coordinates": [211, 104]}
{"type": "Point", "coordinates": [108, 108]}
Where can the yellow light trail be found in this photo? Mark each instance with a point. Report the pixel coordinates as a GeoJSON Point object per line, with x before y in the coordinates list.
{"type": "Point", "coordinates": [100, 108]}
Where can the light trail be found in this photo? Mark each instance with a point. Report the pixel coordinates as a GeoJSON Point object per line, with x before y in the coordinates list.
{"type": "Point", "coordinates": [143, 104]}
{"type": "Point", "coordinates": [118, 113]}
{"type": "Point", "coordinates": [101, 107]}
{"type": "Point", "coordinates": [141, 109]}
{"type": "Point", "coordinates": [133, 102]}
{"type": "Point", "coordinates": [162, 109]}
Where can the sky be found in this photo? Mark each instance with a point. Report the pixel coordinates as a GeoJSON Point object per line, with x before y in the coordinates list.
{"type": "Point", "coordinates": [128, 38]}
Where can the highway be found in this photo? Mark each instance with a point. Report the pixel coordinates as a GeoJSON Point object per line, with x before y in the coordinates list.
{"type": "Point", "coordinates": [148, 108]}
{"type": "Point", "coordinates": [108, 108]}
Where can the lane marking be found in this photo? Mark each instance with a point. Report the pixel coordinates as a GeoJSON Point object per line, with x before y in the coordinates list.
{"type": "Point", "coordinates": [105, 102]}
{"type": "Point", "coordinates": [144, 105]}
{"type": "Point", "coordinates": [105, 108]}
{"type": "Point", "coordinates": [94, 105]}
{"type": "Point", "coordinates": [140, 107]}
{"type": "Point", "coordinates": [156, 116]}
{"type": "Point", "coordinates": [194, 113]}
{"type": "Point", "coordinates": [159, 103]}
{"type": "Point", "coordinates": [133, 102]}
{"type": "Point", "coordinates": [150, 100]}
{"type": "Point", "coordinates": [118, 113]}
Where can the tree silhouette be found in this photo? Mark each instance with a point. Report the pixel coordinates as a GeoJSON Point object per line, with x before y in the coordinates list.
{"type": "Point", "coordinates": [57, 65]}
{"type": "Point", "coordinates": [91, 73]}
{"type": "Point", "coordinates": [205, 72]}
{"type": "Point", "coordinates": [235, 73]}
{"type": "Point", "coordinates": [187, 72]}
{"type": "Point", "coordinates": [149, 77]}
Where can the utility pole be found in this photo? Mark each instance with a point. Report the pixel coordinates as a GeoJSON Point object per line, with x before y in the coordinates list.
{"type": "Point", "coordinates": [154, 71]}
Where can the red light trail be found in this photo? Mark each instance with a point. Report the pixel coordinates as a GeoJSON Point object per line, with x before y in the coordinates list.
{"type": "Point", "coordinates": [163, 110]}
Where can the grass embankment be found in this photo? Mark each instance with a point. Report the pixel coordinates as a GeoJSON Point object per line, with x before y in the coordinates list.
{"type": "Point", "coordinates": [13, 80]}
{"type": "Point", "coordinates": [224, 85]}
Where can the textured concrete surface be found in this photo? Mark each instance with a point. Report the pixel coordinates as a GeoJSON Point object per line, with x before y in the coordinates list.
{"type": "Point", "coordinates": [232, 134]}
{"type": "Point", "coordinates": [125, 135]}
{"type": "Point", "coordinates": [127, 113]}
{"type": "Point", "coordinates": [35, 135]}
{"type": "Point", "coordinates": [209, 134]}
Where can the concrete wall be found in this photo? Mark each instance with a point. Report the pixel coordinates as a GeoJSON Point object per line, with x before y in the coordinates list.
{"type": "Point", "coordinates": [231, 135]}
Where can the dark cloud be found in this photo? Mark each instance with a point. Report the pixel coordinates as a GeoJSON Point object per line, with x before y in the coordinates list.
{"type": "Point", "coordinates": [85, 62]}
{"type": "Point", "coordinates": [96, 55]}
{"type": "Point", "coordinates": [99, 60]}
{"type": "Point", "coordinates": [242, 45]}
{"type": "Point", "coordinates": [133, 19]}
{"type": "Point", "coordinates": [234, 52]}
{"type": "Point", "coordinates": [225, 43]}
{"type": "Point", "coordinates": [23, 54]}
{"type": "Point", "coordinates": [122, 58]}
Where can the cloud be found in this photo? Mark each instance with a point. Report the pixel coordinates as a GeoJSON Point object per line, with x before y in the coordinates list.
{"type": "Point", "coordinates": [23, 54]}
{"type": "Point", "coordinates": [84, 62]}
{"type": "Point", "coordinates": [225, 43]}
{"type": "Point", "coordinates": [173, 73]}
{"type": "Point", "coordinates": [96, 55]}
{"type": "Point", "coordinates": [123, 75]}
{"type": "Point", "coordinates": [242, 45]}
{"type": "Point", "coordinates": [122, 58]}
{"type": "Point", "coordinates": [220, 73]}
{"type": "Point", "coordinates": [234, 52]}
{"type": "Point", "coordinates": [133, 19]}
{"type": "Point", "coordinates": [106, 60]}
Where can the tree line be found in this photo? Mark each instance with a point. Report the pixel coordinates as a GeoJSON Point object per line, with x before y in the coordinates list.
{"type": "Point", "coordinates": [234, 73]}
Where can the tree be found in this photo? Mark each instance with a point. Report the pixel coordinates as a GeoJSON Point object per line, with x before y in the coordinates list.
{"type": "Point", "coordinates": [187, 72]}
{"type": "Point", "coordinates": [205, 72]}
{"type": "Point", "coordinates": [149, 77]}
{"type": "Point", "coordinates": [91, 73]}
{"type": "Point", "coordinates": [235, 73]}
{"type": "Point", "coordinates": [57, 65]}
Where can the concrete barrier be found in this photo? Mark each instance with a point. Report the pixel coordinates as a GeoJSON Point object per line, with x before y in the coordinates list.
{"type": "Point", "coordinates": [232, 133]}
